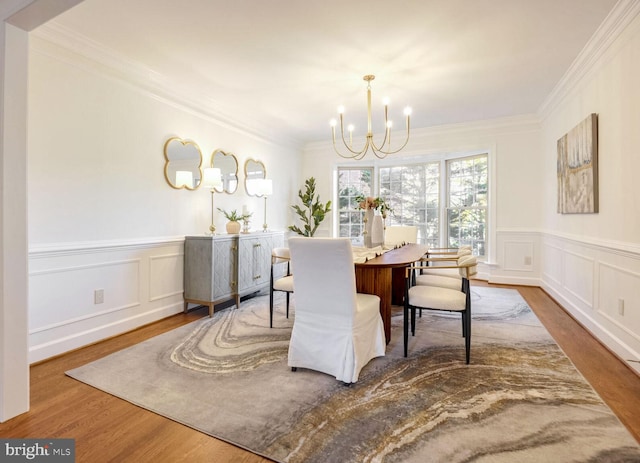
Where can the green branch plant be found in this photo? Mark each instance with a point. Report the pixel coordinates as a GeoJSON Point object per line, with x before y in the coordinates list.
{"type": "Point", "coordinates": [314, 211]}
{"type": "Point", "coordinates": [234, 216]}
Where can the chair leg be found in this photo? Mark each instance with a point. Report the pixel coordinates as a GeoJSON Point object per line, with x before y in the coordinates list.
{"type": "Point", "coordinates": [288, 304]}
{"type": "Point", "coordinates": [413, 321]}
{"type": "Point", "coordinates": [467, 343]}
{"type": "Point", "coordinates": [464, 324]}
{"type": "Point", "coordinates": [271, 307]}
{"type": "Point", "coordinates": [406, 325]}
{"type": "Point", "coordinates": [467, 319]}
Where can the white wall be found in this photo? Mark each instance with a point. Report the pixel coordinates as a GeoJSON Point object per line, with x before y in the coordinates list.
{"type": "Point", "coordinates": [592, 261]}
{"type": "Point", "coordinates": [101, 215]}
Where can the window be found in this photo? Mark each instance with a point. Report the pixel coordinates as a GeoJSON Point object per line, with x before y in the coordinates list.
{"type": "Point", "coordinates": [467, 202]}
{"type": "Point", "coordinates": [412, 192]}
{"type": "Point", "coordinates": [352, 183]}
{"type": "Point", "coordinates": [446, 199]}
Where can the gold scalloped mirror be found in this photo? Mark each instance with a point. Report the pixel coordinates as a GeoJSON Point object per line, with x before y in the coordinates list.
{"type": "Point", "coordinates": [183, 162]}
{"type": "Point", "coordinates": [253, 170]}
{"type": "Point", "coordinates": [228, 165]}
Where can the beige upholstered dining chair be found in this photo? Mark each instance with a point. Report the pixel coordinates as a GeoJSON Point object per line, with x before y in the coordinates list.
{"type": "Point", "coordinates": [336, 330]}
{"type": "Point", "coordinates": [451, 277]}
{"type": "Point", "coordinates": [435, 258]}
{"type": "Point", "coordinates": [400, 234]}
{"type": "Point", "coordinates": [442, 298]}
{"type": "Point", "coordinates": [280, 257]}
{"type": "Point", "coordinates": [444, 253]}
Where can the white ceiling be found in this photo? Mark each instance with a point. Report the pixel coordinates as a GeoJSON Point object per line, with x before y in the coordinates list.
{"type": "Point", "coordinates": [285, 65]}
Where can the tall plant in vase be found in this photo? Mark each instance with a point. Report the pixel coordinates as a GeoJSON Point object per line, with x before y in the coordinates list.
{"type": "Point", "coordinates": [312, 212]}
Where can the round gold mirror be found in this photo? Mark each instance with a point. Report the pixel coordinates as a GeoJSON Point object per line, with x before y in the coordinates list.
{"type": "Point", "coordinates": [253, 172]}
{"type": "Point", "coordinates": [182, 166]}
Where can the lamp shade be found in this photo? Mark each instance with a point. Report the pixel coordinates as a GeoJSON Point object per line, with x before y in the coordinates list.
{"type": "Point", "coordinates": [184, 178]}
{"type": "Point", "coordinates": [212, 178]}
{"type": "Point", "coordinates": [264, 187]}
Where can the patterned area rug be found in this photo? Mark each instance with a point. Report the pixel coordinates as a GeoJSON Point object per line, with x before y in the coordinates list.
{"type": "Point", "coordinates": [520, 399]}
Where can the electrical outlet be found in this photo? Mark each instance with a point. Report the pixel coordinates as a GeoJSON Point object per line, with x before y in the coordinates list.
{"type": "Point", "coordinates": [98, 296]}
{"type": "Point", "coordinates": [621, 307]}
{"type": "Point", "coordinates": [527, 260]}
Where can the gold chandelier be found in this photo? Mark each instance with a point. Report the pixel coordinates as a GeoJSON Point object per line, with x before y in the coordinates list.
{"type": "Point", "coordinates": [380, 151]}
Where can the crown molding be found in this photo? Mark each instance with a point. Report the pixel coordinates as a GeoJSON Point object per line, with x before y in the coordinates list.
{"type": "Point", "coordinates": [64, 44]}
{"type": "Point", "coordinates": [622, 14]}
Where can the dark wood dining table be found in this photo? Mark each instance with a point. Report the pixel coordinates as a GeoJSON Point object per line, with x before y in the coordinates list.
{"type": "Point", "coordinates": [384, 276]}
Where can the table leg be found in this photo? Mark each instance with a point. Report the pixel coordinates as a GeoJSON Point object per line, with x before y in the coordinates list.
{"type": "Point", "coordinates": [397, 295]}
{"type": "Point", "coordinates": [378, 281]}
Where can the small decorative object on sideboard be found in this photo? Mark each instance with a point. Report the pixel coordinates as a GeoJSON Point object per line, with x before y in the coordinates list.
{"type": "Point", "coordinates": [234, 219]}
{"type": "Point", "coordinates": [245, 220]}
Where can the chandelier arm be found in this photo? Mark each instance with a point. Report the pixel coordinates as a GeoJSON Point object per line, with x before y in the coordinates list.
{"type": "Point", "coordinates": [386, 127]}
{"type": "Point", "coordinates": [357, 155]}
{"type": "Point", "coordinates": [398, 149]}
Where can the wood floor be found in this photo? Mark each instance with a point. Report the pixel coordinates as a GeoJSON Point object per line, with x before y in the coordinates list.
{"type": "Point", "coordinates": [110, 429]}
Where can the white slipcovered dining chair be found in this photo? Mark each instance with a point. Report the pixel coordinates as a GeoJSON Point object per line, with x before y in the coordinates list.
{"type": "Point", "coordinates": [442, 298]}
{"type": "Point", "coordinates": [280, 257]}
{"type": "Point", "coordinates": [336, 330]}
{"type": "Point", "coordinates": [400, 234]}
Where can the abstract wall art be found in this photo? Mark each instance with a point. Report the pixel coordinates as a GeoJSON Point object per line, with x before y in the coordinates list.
{"type": "Point", "coordinates": [578, 168]}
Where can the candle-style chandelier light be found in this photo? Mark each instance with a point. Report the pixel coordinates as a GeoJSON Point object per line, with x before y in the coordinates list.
{"type": "Point", "coordinates": [385, 147]}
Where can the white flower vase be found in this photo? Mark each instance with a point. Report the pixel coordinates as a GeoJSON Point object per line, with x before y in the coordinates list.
{"type": "Point", "coordinates": [377, 231]}
{"type": "Point", "coordinates": [368, 223]}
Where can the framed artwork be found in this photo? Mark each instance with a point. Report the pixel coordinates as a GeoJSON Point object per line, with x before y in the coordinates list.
{"type": "Point", "coordinates": [578, 168]}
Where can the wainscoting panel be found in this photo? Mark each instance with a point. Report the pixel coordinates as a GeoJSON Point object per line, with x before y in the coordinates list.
{"type": "Point", "coordinates": [166, 276]}
{"type": "Point", "coordinates": [82, 293]}
{"type": "Point", "coordinates": [578, 278]}
{"type": "Point", "coordinates": [518, 258]}
{"type": "Point", "coordinates": [49, 289]}
{"type": "Point", "coordinates": [597, 283]}
{"type": "Point", "coordinates": [619, 300]}
{"type": "Point", "coordinates": [553, 267]}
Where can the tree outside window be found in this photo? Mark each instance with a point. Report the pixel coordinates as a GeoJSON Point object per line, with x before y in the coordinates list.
{"type": "Point", "coordinates": [352, 182]}
{"type": "Point", "coordinates": [467, 203]}
{"type": "Point", "coordinates": [412, 192]}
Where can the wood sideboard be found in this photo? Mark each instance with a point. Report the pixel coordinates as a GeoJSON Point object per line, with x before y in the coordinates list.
{"type": "Point", "coordinates": [218, 268]}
